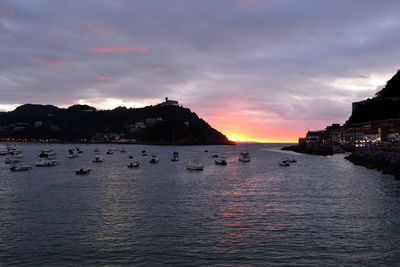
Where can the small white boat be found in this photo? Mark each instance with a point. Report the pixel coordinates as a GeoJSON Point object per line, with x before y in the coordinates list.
{"type": "Point", "coordinates": [143, 153]}
{"type": "Point", "coordinates": [221, 161]}
{"type": "Point", "coordinates": [98, 158]}
{"type": "Point", "coordinates": [130, 156]}
{"type": "Point", "coordinates": [44, 162]}
{"type": "Point", "coordinates": [134, 164]}
{"type": "Point", "coordinates": [154, 159]}
{"type": "Point", "coordinates": [194, 165]}
{"type": "Point", "coordinates": [215, 155]}
{"type": "Point", "coordinates": [50, 154]}
{"type": "Point", "coordinates": [110, 152]}
{"type": "Point", "coordinates": [175, 156]}
{"type": "Point", "coordinates": [290, 160]}
{"type": "Point", "coordinates": [83, 170]}
{"type": "Point", "coordinates": [284, 163]}
{"type": "Point", "coordinates": [244, 157]}
{"type": "Point", "coordinates": [12, 160]}
{"type": "Point", "coordinates": [78, 150]}
{"type": "Point", "coordinates": [20, 168]}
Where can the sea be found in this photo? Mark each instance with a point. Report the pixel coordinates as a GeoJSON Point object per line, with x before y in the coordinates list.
{"type": "Point", "coordinates": [320, 211]}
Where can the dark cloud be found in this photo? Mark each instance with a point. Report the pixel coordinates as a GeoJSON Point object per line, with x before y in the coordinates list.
{"type": "Point", "coordinates": [288, 60]}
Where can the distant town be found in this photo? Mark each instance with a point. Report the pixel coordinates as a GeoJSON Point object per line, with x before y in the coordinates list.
{"type": "Point", "coordinates": [374, 123]}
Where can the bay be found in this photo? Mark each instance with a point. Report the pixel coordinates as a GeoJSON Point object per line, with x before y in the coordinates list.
{"type": "Point", "coordinates": [320, 211]}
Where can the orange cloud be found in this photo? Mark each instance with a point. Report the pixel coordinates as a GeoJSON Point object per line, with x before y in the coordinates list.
{"type": "Point", "coordinates": [102, 76]}
{"type": "Point", "coordinates": [118, 49]}
{"type": "Point", "coordinates": [6, 13]}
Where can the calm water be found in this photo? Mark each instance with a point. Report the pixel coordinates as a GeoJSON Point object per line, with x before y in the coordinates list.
{"type": "Point", "coordinates": [321, 211]}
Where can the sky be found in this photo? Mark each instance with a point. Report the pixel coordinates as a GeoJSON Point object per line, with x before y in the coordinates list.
{"type": "Point", "coordinates": [256, 70]}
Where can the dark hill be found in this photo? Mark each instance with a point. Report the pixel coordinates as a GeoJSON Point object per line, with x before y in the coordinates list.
{"type": "Point", "coordinates": [392, 88]}
{"type": "Point", "coordinates": [152, 124]}
{"type": "Point", "coordinates": [386, 104]}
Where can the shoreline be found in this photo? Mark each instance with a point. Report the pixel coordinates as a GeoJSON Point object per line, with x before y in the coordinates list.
{"type": "Point", "coordinates": [313, 150]}
{"type": "Point", "coordinates": [385, 161]}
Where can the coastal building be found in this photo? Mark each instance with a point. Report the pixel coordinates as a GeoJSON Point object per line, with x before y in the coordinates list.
{"type": "Point", "coordinates": [334, 133]}
{"type": "Point", "coordinates": [315, 136]}
{"type": "Point", "coordinates": [372, 134]}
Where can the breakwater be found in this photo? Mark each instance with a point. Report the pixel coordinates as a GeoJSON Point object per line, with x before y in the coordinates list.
{"type": "Point", "coordinates": [317, 149]}
{"type": "Point", "coordinates": [385, 161]}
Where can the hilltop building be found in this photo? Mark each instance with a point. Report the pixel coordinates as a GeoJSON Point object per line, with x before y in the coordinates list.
{"type": "Point", "coordinates": [169, 102]}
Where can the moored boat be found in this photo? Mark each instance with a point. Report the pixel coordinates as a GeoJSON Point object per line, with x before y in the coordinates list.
{"type": "Point", "coordinates": [133, 164]}
{"type": "Point", "coordinates": [21, 168]}
{"type": "Point", "coordinates": [154, 159]}
{"type": "Point", "coordinates": [83, 170]}
{"type": "Point", "coordinates": [98, 158]}
{"type": "Point", "coordinates": [143, 153]}
{"type": "Point", "coordinates": [284, 163]}
{"type": "Point", "coordinates": [244, 157]}
{"type": "Point", "coordinates": [50, 154]}
{"type": "Point", "coordinates": [214, 155]}
{"type": "Point", "coordinates": [194, 165]}
{"type": "Point", "coordinates": [44, 162]}
{"type": "Point", "coordinates": [175, 156]}
{"type": "Point", "coordinates": [221, 161]}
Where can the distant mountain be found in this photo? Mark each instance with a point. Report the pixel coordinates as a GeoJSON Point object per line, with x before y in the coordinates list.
{"type": "Point", "coordinates": [385, 105]}
{"type": "Point", "coordinates": [160, 124]}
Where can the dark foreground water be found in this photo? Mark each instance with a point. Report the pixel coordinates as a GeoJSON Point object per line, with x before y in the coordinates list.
{"type": "Point", "coordinates": [321, 211]}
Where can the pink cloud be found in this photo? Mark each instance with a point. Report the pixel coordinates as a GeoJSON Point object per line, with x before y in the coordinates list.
{"type": "Point", "coordinates": [6, 13]}
{"type": "Point", "coordinates": [159, 69]}
{"type": "Point", "coordinates": [48, 63]}
{"type": "Point", "coordinates": [102, 76]}
{"type": "Point", "coordinates": [118, 49]}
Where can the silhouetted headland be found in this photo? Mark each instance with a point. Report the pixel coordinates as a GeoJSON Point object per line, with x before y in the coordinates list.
{"type": "Point", "coordinates": [164, 124]}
